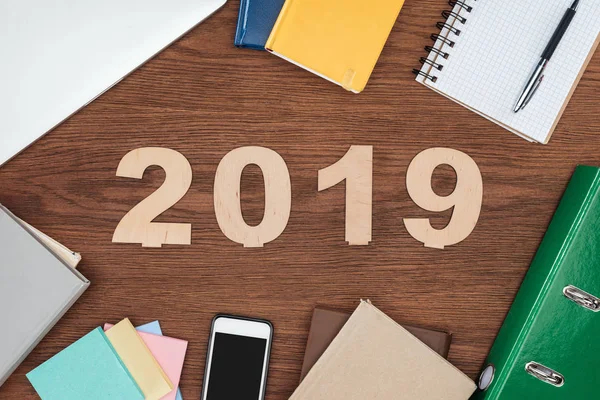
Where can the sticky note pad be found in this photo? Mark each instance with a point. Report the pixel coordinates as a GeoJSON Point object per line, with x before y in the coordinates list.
{"type": "Point", "coordinates": [154, 328]}
{"type": "Point", "coordinates": [151, 327]}
{"type": "Point", "coordinates": [169, 353]}
{"type": "Point", "coordinates": [88, 369]}
{"type": "Point", "coordinates": [139, 360]}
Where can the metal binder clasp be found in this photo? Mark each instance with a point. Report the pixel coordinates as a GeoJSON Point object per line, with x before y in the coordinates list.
{"type": "Point", "coordinates": [545, 374]}
{"type": "Point", "coordinates": [582, 298]}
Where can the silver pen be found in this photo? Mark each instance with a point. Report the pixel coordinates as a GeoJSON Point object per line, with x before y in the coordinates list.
{"type": "Point", "coordinates": [537, 77]}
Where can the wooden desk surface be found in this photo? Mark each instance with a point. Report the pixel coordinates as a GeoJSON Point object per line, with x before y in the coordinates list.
{"type": "Point", "coordinates": [203, 97]}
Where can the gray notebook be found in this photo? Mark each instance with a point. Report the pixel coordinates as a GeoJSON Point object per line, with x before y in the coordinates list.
{"type": "Point", "coordinates": [36, 288]}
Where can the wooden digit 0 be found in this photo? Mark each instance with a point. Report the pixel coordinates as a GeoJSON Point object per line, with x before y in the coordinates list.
{"type": "Point", "coordinates": [137, 226]}
{"type": "Point", "coordinates": [466, 199]}
{"type": "Point", "coordinates": [356, 168]}
{"type": "Point", "coordinates": [278, 196]}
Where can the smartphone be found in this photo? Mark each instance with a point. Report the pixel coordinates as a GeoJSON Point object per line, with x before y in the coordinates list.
{"type": "Point", "coordinates": [237, 361]}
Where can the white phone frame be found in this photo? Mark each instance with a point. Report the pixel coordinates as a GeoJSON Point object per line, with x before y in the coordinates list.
{"type": "Point", "coordinates": [241, 327]}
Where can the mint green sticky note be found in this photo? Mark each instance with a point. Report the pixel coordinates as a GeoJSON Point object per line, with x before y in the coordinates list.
{"type": "Point", "coordinates": [88, 369]}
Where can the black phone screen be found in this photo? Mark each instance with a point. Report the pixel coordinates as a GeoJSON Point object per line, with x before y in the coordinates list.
{"type": "Point", "coordinates": [236, 368]}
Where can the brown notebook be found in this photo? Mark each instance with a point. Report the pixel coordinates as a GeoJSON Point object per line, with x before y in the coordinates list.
{"type": "Point", "coordinates": [326, 324]}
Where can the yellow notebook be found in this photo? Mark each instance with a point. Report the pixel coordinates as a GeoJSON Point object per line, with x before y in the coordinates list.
{"type": "Point", "coordinates": [339, 40]}
{"type": "Point", "coordinates": [146, 371]}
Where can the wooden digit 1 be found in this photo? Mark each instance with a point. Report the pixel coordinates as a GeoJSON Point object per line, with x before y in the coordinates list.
{"type": "Point", "coordinates": [466, 198]}
{"type": "Point", "coordinates": [356, 168]}
{"type": "Point", "coordinates": [137, 226]}
{"type": "Point", "coordinates": [278, 196]}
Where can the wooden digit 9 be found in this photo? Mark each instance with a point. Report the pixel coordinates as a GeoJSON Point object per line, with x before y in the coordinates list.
{"type": "Point", "coordinates": [466, 198]}
{"type": "Point", "coordinates": [137, 226]}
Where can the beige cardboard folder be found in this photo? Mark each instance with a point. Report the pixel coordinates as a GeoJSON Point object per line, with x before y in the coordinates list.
{"type": "Point", "coordinates": [375, 358]}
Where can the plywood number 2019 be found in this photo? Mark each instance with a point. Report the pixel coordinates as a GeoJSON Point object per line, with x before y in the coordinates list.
{"type": "Point", "coordinates": [356, 168]}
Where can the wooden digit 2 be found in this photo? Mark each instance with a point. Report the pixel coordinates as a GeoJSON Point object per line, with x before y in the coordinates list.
{"type": "Point", "coordinates": [137, 226]}
{"type": "Point", "coordinates": [466, 198]}
{"type": "Point", "coordinates": [356, 168]}
{"type": "Point", "coordinates": [278, 196]}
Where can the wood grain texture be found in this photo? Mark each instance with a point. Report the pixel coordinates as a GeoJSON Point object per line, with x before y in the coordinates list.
{"type": "Point", "coordinates": [203, 98]}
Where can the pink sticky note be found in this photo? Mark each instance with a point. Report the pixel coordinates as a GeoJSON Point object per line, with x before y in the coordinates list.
{"type": "Point", "coordinates": [169, 353]}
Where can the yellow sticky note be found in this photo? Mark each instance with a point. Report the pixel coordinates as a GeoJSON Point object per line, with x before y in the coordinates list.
{"type": "Point", "coordinates": [146, 371]}
{"type": "Point", "coordinates": [340, 40]}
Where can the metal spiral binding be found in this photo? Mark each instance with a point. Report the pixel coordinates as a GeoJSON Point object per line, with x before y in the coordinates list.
{"type": "Point", "coordinates": [462, 4]}
{"type": "Point", "coordinates": [451, 17]}
{"type": "Point", "coordinates": [448, 14]}
{"type": "Point", "coordinates": [435, 37]}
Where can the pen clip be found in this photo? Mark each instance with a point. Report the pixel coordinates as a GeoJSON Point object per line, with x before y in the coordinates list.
{"type": "Point", "coordinates": [535, 88]}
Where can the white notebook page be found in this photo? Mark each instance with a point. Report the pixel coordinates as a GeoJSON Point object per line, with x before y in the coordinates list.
{"type": "Point", "coordinates": [497, 50]}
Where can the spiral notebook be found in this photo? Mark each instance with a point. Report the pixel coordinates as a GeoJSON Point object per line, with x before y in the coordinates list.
{"type": "Point", "coordinates": [487, 49]}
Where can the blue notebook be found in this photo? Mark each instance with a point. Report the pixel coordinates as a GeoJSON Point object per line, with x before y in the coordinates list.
{"type": "Point", "coordinates": [256, 21]}
{"type": "Point", "coordinates": [88, 369]}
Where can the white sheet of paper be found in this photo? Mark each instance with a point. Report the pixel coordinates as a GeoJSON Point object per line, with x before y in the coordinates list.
{"type": "Point", "coordinates": [58, 56]}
